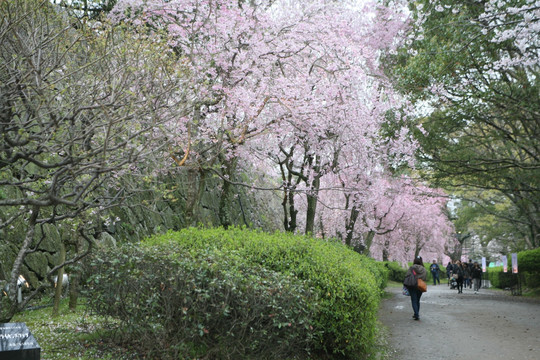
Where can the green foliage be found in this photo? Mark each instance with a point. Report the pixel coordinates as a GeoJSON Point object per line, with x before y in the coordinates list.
{"type": "Point", "coordinates": [528, 267]}
{"type": "Point", "coordinates": [499, 279]}
{"type": "Point", "coordinates": [73, 334]}
{"type": "Point", "coordinates": [175, 304]}
{"type": "Point", "coordinates": [347, 286]}
{"type": "Point", "coordinates": [529, 260]}
{"type": "Point", "coordinates": [395, 271]}
{"type": "Point", "coordinates": [481, 129]}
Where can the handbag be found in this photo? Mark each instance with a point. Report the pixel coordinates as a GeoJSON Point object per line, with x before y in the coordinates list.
{"type": "Point", "coordinates": [405, 291]}
{"type": "Point", "coordinates": [410, 279]}
{"type": "Point", "coordinates": [422, 286]}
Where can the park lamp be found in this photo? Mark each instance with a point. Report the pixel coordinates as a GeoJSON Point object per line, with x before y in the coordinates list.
{"type": "Point", "coordinates": [65, 280]}
{"type": "Point", "coordinates": [21, 282]}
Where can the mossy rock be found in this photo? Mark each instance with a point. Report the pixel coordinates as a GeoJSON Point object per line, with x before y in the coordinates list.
{"type": "Point", "coordinates": [51, 242]}
{"type": "Point", "coordinates": [106, 240]}
{"type": "Point", "coordinates": [53, 259]}
{"type": "Point", "coordinates": [37, 262]}
{"type": "Point", "coordinates": [8, 253]}
{"type": "Point", "coordinates": [30, 277]}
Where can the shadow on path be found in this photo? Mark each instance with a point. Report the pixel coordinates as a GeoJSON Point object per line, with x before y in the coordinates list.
{"type": "Point", "coordinates": [490, 325]}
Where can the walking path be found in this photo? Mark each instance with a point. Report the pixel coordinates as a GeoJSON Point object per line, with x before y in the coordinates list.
{"type": "Point", "coordinates": [490, 325]}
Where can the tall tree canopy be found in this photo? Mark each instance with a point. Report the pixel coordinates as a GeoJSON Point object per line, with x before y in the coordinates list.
{"type": "Point", "coordinates": [78, 107]}
{"type": "Point", "coordinates": [293, 92]}
{"type": "Point", "coordinates": [472, 70]}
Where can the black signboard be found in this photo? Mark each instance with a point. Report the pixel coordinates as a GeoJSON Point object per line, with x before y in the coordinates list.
{"type": "Point", "coordinates": [17, 343]}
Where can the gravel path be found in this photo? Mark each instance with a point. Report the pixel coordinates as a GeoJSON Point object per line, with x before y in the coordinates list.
{"type": "Point", "coordinates": [489, 325]}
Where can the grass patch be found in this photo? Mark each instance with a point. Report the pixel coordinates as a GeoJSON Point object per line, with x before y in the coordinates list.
{"type": "Point", "coordinates": [394, 284]}
{"type": "Point", "coordinates": [70, 335]}
{"type": "Point", "coordinates": [532, 293]}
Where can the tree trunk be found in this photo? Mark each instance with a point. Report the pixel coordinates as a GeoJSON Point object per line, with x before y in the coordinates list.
{"type": "Point", "coordinates": [225, 201]}
{"type": "Point", "coordinates": [418, 247]}
{"type": "Point", "coordinates": [368, 240]}
{"type": "Point", "coordinates": [289, 211]}
{"type": "Point", "coordinates": [74, 282]}
{"type": "Point", "coordinates": [312, 200]}
{"type": "Point", "coordinates": [349, 225]}
{"type": "Point", "coordinates": [7, 312]}
{"type": "Point", "coordinates": [385, 252]}
{"type": "Point", "coordinates": [224, 211]}
{"type": "Point", "coordinates": [195, 189]}
{"type": "Point", "coordinates": [59, 281]}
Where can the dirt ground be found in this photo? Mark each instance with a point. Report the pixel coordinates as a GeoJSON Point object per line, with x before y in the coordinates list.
{"type": "Point", "coordinates": [489, 325]}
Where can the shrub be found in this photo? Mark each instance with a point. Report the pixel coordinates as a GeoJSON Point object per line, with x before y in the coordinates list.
{"type": "Point", "coordinates": [529, 261]}
{"type": "Point", "coordinates": [528, 267]}
{"type": "Point", "coordinates": [174, 304]}
{"type": "Point", "coordinates": [395, 271]}
{"type": "Point", "coordinates": [500, 279]}
{"type": "Point", "coordinates": [347, 285]}
{"type": "Point", "coordinates": [532, 279]}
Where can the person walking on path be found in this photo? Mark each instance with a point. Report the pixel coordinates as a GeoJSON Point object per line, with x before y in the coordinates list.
{"type": "Point", "coordinates": [476, 274]}
{"type": "Point", "coordinates": [467, 275]}
{"type": "Point", "coordinates": [449, 268]}
{"type": "Point", "coordinates": [471, 265]}
{"type": "Point", "coordinates": [458, 270]}
{"type": "Point", "coordinates": [435, 269]}
{"type": "Point", "coordinates": [421, 273]}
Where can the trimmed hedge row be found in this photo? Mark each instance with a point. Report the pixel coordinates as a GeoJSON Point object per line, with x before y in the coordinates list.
{"type": "Point", "coordinates": [174, 304]}
{"type": "Point", "coordinates": [340, 291]}
{"type": "Point", "coordinates": [397, 273]}
{"type": "Point", "coordinates": [528, 267]}
{"type": "Point", "coordinates": [347, 284]}
{"type": "Point", "coordinates": [498, 278]}
{"type": "Point", "coordinates": [529, 261]}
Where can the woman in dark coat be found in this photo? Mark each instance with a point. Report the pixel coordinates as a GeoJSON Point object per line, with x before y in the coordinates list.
{"type": "Point", "coordinates": [458, 269]}
{"type": "Point", "coordinates": [466, 275]}
{"type": "Point", "coordinates": [421, 273]}
{"type": "Point", "coordinates": [477, 277]}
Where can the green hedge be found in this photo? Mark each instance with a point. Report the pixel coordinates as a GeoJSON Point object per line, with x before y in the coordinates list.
{"type": "Point", "coordinates": [498, 278]}
{"type": "Point", "coordinates": [532, 279]}
{"type": "Point", "coordinates": [395, 271]}
{"type": "Point", "coordinates": [529, 261]}
{"type": "Point", "coordinates": [528, 267]}
{"type": "Point", "coordinates": [501, 280]}
{"type": "Point", "coordinates": [347, 285]}
{"type": "Point", "coordinates": [173, 304]}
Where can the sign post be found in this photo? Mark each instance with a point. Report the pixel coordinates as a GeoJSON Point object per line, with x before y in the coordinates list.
{"type": "Point", "coordinates": [514, 263]}
{"type": "Point", "coordinates": [516, 287]}
{"type": "Point", "coordinates": [17, 343]}
{"type": "Point", "coordinates": [485, 281]}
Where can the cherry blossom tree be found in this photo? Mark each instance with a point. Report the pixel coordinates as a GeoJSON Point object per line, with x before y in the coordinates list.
{"type": "Point", "coordinates": [295, 93]}
{"type": "Point", "coordinates": [395, 219]}
{"type": "Point", "coordinates": [424, 228]}
{"type": "Point", "coordinates": [331, 101]}
{"type": "Point", "coordinates": [228, 47]}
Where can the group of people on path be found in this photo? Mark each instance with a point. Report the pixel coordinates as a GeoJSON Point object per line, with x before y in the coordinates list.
{"type": "Point", "coordinates": [462, 274]}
